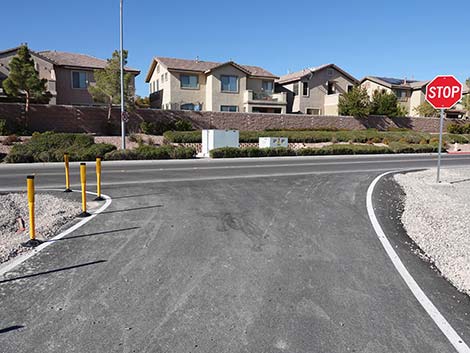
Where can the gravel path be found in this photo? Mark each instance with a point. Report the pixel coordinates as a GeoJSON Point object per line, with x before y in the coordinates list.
{"type": "Point", "coordinates": [436, 218]}
{"type": "Point", "coordinates": [51, 214]}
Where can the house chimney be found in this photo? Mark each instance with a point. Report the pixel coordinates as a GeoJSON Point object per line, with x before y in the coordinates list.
{"type": "Point", "coordinates": [197, 58]}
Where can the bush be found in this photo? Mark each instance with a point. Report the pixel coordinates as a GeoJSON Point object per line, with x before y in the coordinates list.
{"type": "Point", "coordinates": [3, 128]}
{"type": "Point", "coordinates": [183, 125]}
{"type": "Point", "coordinates": [50, 147]}
{"type": "Point", "coordinates": [148, 128]}
{"type": "Point", "coordinates": [225, 152]}
{"type": "Point", "coordinates": [152, 152]}
{"type": "Point", "coordinates": [458, 128]}
{"type": "Point", "coordinates": [10, 140]}
{"type": "Point", "coordinates": [307, 136]}
{"type": "Point", "coordinates": [119, 155]}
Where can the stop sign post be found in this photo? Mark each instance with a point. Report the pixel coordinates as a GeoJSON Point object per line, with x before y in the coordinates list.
{"type": "Point", "coordinates": [443, 93]}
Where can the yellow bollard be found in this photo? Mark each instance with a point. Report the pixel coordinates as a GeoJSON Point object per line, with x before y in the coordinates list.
{"type": "Point", "coordinates": [83, 182]}
{"type": "Point", "coordinates": [98, 179]}
{"type": "Point", "coordinates": [32, 242]}
{"type": "Point", "coordinates": [67, 173]}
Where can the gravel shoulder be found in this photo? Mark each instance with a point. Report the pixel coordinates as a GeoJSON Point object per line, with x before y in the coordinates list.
{"type": "Point", "coordinates": [52, 213]}
{"type": "Point", "coordinates": [436, 217]}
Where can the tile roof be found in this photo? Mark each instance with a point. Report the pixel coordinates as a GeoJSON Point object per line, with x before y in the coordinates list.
{"type": "Point", "coordinates": [61, 58]}
{"type": "Point", "coordinates": [204, 66]}
{"type": "Point", "coordinates": [295, 76]}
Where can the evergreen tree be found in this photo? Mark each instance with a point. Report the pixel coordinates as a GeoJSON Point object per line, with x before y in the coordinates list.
{"type": "Point", "coordinates": [355, 102]}
{"type": "Point", "coordinates": [385, 103]}
{"type": "Point", "coordinates": [107, 88]}
{"type": "Point", "coordinates": [426, 109]}
{"type": "Point", "coordinates": [23, 79]}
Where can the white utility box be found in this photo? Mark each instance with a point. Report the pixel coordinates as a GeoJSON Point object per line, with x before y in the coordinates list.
{"type": "Point", "coordinates": [212, 139]}
{"type": "Point", "coordinates": [265, 142]}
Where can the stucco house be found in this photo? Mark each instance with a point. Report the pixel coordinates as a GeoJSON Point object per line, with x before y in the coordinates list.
{"type": "Point", "coordinates": [68, 75]}
{"type": "Point", "coordinates": [315, 90]}
{"type": "Point", "coordinates": [182, 84]}
{"type": "Point", "coordinates": [410, 93]}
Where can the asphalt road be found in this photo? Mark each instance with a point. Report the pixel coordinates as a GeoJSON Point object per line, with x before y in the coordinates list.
{"type": "Point", "coordinates": [260, 255]}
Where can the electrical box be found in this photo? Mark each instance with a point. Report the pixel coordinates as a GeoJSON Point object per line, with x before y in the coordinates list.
{"type": "Point", "coordinates": [265, 142]}
{"type": "Point", "coordinates": [212, 139]}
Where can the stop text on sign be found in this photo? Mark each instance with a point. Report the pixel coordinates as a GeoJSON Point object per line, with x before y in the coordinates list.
{"type": "Point", "coordinates": [444, 92]}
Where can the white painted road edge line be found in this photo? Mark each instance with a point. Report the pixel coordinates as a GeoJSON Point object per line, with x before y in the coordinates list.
{"type": "Point", "coordinates": [430, 308]}
{"type": "Point", "coordinates": [10, 265]}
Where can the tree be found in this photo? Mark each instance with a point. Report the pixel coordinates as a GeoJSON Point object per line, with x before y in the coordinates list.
{"type": "Point", "coordinates": [386, 103]}
{"type": "Point", "coordinates": [466, 97]}
{"type": "Point", "coordinates": [107, 87]}
{"type": "Point", "coordinates": [426, 109]}
{"type": "Point", "coordinates": [355, 102]}
{"type": "Point", "coordinates": [23, 79]}
{"type": "Point", "coordinates": [142, 102]}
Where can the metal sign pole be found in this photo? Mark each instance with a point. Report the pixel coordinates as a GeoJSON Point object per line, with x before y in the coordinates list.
{"type": "Point", "coordinates": [123, 122]}
{"type": "Point", "coordinates": [440, 146]}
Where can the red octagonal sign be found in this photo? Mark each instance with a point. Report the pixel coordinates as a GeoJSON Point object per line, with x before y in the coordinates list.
{"type": "Point", "coordinates": [443, 92]}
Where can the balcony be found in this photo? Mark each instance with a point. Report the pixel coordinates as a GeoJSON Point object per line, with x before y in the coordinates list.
{"type": "Point", "coordinates": [264, 98]}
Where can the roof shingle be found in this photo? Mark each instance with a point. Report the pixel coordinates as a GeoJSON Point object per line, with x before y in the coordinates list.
{"type": "Point", "coordinates": [61, 58]}
{"type": "Point", "coordinates": [203, 66]}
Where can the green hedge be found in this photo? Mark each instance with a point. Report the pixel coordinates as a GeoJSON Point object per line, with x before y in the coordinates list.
{"type": "Point", "coordinates": [50, 147]}
{"type": "Point", "coordinates": [458, 128]}
{"type": "Point", "coordinates": [152, 152]}
{"type": "Point", "coordinates": [360, 136]}
{"type": "Point", "coordinates": [336, 149]}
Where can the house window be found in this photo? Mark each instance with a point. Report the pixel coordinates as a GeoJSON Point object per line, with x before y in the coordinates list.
{"type": "Point", "coordinates": [166, 76]}
{"type": "Point", "coordinates": [79, 79]}
{"type": "Point", "coordinates": [228, 108]}
{"type": "Point", "coordinates": [187, 106]}
{"type": "Point", "coordinates": [329, 72]}
{"type": "Point", "coordinates": [189, 81]}
{"type": "Point", "coordinates": [162, 77]}
{"type": "Point", "coordinates": [229, 83]}
{"type": "Point", "coordinates": [350, 88]}
{"type": "Point", "coordinates": [295, 88]}
{"type": "Point", "coordinates": [313, 111]}
{"type": "Point", "coordinates": [331, 87]}
{"type": "Point", "coordinates": [158, 68]}
{"type": "Point", "coordinates": [305, 88]}
{"type": "Point", "coordinates": [267, 86]}
{"type": "Point", "coordinates": [156, 85]}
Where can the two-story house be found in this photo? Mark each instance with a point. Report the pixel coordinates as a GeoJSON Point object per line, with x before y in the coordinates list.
{"type": "Point", "coordinates": [316, 90]}
{"type": "Point", "coordinates": [410, 93]}
{"type": "Point", "coordinates": [68, 75]}
{"type": "Point", "coordinates": [182, 84]}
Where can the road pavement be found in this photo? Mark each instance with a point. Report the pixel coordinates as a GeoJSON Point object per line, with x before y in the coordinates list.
{"type": "Point", "coordinates": [258, 255]}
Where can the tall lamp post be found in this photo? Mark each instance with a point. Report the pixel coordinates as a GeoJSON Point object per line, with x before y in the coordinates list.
{"type": "Point", "coordinates": [123, 114]}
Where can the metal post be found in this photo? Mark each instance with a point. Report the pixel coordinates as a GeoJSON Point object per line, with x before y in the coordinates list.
{"type": "Point", "coordinates": [123, 123]}
{"type": "Point", "coordinates": [441, 126]}
{"type": "Point", "coordinates": [32, 242]}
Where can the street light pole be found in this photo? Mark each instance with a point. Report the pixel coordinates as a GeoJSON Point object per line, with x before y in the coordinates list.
{"type": "Point", "coordinates": [123, 123]}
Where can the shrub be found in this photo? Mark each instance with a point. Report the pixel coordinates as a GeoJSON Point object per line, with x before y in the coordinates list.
{"type": "Point", "coordinates": [10, 140]}
{"type": "Point", "coordinates": [152, 152]}
{"type": "Point", "coordinates": [136, 138]}
{"type": "Point", "coordinates": [50, 147]}
{"type": "Point", "coordinates": [183, 125]}
{"type": "Point", "coordinates": [3, 128]}
{"type": "Point", "coordinates": [119, 155]}
{"type": "Point", "coordinates": [152, 128]}
{"type": "Point", "coordinates": [225, 152]}
{"type": "Point", "coordinates": [458, 128]}
{"type": "Point", "coordinates": [183, 137]}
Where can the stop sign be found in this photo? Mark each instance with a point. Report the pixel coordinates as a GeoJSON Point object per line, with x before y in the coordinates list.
{"type": "Point", "coordinates": [443, 92]}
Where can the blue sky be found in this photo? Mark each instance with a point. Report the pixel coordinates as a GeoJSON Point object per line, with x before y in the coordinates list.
{"type": "Point", "coordinates": [413, 39]}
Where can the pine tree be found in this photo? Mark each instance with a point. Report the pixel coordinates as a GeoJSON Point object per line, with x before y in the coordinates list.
{"type": "Point", "coordinates": [23, 79]}
{"type": "Point", "coordinates": [107, 88]}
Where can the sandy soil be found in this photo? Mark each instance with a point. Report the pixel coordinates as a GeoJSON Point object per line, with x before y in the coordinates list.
{"type": "Point", "coordinates": [51, 214]}
{"type": "Point", "coordinates": [436, 218]}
